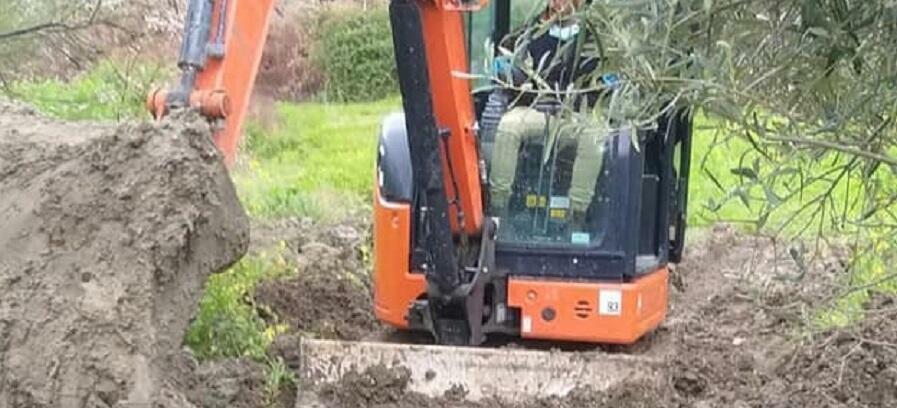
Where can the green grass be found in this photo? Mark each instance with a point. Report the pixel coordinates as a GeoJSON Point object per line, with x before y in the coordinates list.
{"type": "Point", "coordinates": [278, 379]}
{"type": "Point", "coordinates": [316, 161]}
{"type": "Point", "coordinates": [714, 155]}
{"type": "Point", "coordinates": [110, 90]}
{"type": "Point", "coordinates": [731, 182]}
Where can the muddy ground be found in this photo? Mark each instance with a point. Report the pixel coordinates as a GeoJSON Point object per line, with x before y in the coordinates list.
{"type": "Point", "coordinates": [332, 274]}
{"type": "Point", "coordinates": [738, 334]}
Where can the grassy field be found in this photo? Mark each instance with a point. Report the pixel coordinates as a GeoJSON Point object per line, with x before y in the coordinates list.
{"type": "Point", "coordinates": [316, 160]}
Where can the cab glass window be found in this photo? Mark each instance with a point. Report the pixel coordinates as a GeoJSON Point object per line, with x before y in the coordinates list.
{"type": "Point", "coordinates": [479, 27]}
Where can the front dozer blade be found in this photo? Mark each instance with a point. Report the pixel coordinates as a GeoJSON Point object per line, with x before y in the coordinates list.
{"type": "Point", "coordinates": [513, 375]}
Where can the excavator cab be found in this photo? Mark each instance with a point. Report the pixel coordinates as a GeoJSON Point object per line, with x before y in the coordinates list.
{"type": "Point", "coordinates": [636, 193]}
{"type": "Point", "coordinates": [577, 223]}
{"type": "Point", "coordinates": [568, 246]}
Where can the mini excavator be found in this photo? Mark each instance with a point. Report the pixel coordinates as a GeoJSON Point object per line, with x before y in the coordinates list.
{"type": "Point", "coordinates": [445, 262]}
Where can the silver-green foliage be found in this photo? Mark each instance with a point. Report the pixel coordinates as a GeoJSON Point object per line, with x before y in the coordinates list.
{"type": "Point", "coordinates": [811, 85]}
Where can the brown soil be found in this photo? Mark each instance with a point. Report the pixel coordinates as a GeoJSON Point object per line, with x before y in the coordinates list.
{"type": "Point", "coordinates": [329, 296]}
{"type": "Point", "coordinates": [109, 233]}
{"type": "Point", "coordinates": [737, 336]}
{"type": "Point", "coordinates": [851, 368]}
{"type": "Point", "coordinates": [230, 383]}
{"type": "Point", "coordinates": [377, 386]}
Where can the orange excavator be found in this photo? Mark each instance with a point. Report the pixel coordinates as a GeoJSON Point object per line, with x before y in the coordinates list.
{"type": "Point", "coordinates": [449, 260]}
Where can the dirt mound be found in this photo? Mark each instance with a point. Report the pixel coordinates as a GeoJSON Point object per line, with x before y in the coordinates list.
{"type": "Point", "coordinates": [109, 233]}
{"type": "Point", "coordinates": [322, 304]}
{"type": "Point", "coordinates": [742, 305]}
{"type": "Point", "coordinates": [287, 71]}
{"type": "Point", "coordinates": [330, 295]}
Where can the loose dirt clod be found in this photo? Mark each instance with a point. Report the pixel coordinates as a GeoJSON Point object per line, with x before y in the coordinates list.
{"type": "Point", "coordinates": [108, 235]}
{"type": "Point", "coordinates": [229, 383]}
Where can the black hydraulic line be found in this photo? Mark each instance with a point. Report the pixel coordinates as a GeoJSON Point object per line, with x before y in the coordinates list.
{"type": "Point", "coordinates": [431, 205]}
{"type": "Point", "coordinates": [502, 20]}
{"type": "Point", "coordinates": [194, 49]}
{"type": "Point", "coordinates": [197, 27]}
{"type": "Point", "coordinates": [216, 49]}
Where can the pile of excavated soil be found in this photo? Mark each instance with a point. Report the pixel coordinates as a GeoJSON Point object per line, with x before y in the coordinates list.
{"type": "Point", "coordinates": [736, 336]}
{"type": "Point", "coordinates": [330, 295]}
{"type": "Point", "coordinates": [108, 235]}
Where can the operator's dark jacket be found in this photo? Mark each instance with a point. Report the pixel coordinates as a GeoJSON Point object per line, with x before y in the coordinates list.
{"type": "Point", "coordinates": [558, 59]}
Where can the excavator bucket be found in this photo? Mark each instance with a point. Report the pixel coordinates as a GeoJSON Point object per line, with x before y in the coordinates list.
{"type": "Point", "coordinates": [513, 374]}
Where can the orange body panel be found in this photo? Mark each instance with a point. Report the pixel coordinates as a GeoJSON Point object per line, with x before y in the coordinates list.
{"type": "Point", "coordinates": [453, 107]}
{"type": "Point", "coordinates": [395, 288]}
{"type": "Point", "coordinates": [247, 29]}
{"type": "Point", "coordinates": [577, 311]}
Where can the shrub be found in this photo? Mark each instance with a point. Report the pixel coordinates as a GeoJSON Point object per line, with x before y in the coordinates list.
{"type": "Point", "coordinates": [355, 51]}
{"type": "Point", "coordinates": [227, 323]}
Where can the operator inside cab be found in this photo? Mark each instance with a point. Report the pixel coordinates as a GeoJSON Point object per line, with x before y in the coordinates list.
{"type": "Point", "coordinates": [557, 113]}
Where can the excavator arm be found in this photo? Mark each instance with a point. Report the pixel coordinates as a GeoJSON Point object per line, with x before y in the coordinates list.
{"type": "Point", "coordinates": [222, 48]}
{"type": "Point", "coordinates": [220, 55]}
